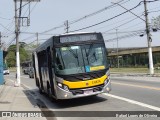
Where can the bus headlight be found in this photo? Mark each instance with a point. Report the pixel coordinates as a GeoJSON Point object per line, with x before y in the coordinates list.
{"type": "Point", "coordinates": [108, 73]}
{"type": "Point", "coordinates": [108, 77]}
{"type": "Point", "coordinates": [60, 85]}
{"type": "Point", "coordinates": [64, 87]}
{"type": "Point", "coordinates": [106, 81]}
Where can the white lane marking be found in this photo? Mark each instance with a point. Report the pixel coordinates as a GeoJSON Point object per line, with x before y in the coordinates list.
{"type": "Point", "coordinates": [139, 86]}
{"type": "Point", "coordinates": [133, 102]}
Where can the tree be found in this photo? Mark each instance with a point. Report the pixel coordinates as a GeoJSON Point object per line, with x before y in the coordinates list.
{"type": "Point", "coordinates": [11, 56]}
{"type": "Point", "coordinates": [155, 23]}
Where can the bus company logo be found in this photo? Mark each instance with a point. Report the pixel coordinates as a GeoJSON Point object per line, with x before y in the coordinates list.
{"type": "Point", "coordinates": [87, 84]}
{"type": "Point", "coordinates": [6, 114]}
{"type": "Point", "coordinates": [96, 82]}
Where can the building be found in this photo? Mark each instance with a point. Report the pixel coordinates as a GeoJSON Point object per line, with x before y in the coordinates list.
{"type": "Point", "coordinates": [129, 57]}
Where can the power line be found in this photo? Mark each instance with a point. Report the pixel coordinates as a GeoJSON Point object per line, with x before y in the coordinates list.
{"type": "Point", "coordinates": [120, 25]}
{"type": "Point", "coordinates": [5, 27]}
{"type": "Point", "coordinates": [133, 26]}
{"type": "Point", "coordinates": [97, 12]}
{"type": "Point", "coordinates": [5, 18]}
{"type": "Point", "coordinates": [12, 40]}
{"type": "Point", "coordinates": [106, 20]}
{"type": "Point", "coordinates": [123, 32]}
{"type": "Point", "coordinates": [112, 18]}
{"type": "Point", "coordinates": [116, 22]}
{"type": "Point", "coordinates": [130, 12]}
{"type": "Point", "coordinates": [38, 33]}
{"type": "Point", "coordinates": [123, 37]}
{"type": "Point", "coordinates": [30, 12]}
{"type": "Point", "coordinates": [75, 21]}
{"type": "Point", "coordinates": [152, 1]}
{"type": "Point", "coordinates": [9, 26]}
{"type": "Point", "coordinates": [94, 13]}
{"type": "Point", "coordinates": [154, 11]}
{"type": "Point", "coordinates": [86, 16]}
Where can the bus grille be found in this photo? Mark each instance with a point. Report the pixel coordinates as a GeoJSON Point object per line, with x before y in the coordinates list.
{"type": "Point", "coordinates": [81, 91]}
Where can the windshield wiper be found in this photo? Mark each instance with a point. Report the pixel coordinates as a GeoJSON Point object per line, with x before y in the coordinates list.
{"type": "Point", "coordinates": [75, 55]}
{"type": "Point", "coordinates": [90, 48]}
{"type": "Point", "coordinates": [71, 51]}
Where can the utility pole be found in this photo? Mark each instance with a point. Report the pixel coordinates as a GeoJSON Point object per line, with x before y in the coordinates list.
{"type": "Point", "coordinates": [37, 38]}
{"type": "Point", "coordinates": [1, 44]}
{"type": "Point", "coordinates": [1, 63]}
{"type": "Point", "coordinates": [17, 30]}
{"type": "Point", "coordinates": [67, 26]}
{"type": "Point", "coordinates": [0, 41]}
{"type": "Point", "coordinates": [17, 82]}
{"type": "Point", "coordinates": [149, 40]}
{"type": "Point", "coordinates": [117, 49]}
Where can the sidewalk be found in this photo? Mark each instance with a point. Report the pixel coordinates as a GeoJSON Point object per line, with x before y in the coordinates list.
{"type": "Point", "coordinates": [17, 99]}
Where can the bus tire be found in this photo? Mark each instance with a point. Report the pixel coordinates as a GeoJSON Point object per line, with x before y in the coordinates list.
{"type": "Point", "coordinates": [40, 91]}
{"type": "Point", "coordinates": [48, 90]}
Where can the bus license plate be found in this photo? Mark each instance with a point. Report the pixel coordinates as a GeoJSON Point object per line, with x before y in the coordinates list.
{"type": "Point", "coordinates": [88, 92]}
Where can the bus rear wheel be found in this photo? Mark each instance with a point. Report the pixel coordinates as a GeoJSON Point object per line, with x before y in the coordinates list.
{"type": "Point", "coordinates": [40, 91]}
{"type": "Point", "coordinates": [49, 90]}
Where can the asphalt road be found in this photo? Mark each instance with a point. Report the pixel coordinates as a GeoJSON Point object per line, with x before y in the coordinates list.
{"type": "Point", "coordinates": [126, 95]}
{"type": "Point", "coordinates": [143, 91]}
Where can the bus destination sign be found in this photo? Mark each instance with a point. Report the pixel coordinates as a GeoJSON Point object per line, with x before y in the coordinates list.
{"type": "Point", "coordinates": [78, 38]}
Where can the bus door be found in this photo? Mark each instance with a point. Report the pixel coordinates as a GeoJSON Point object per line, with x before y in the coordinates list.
{"type": "Point", "coordinates": [44, 69]}
{"type": "Point", "coordinates": [51, 74]}
{"type": "Point", "coordinates": [35, 65]}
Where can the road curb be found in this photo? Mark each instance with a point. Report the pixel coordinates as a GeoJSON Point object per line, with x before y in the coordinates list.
{"type": "Point", "coordinates": [134, 74]}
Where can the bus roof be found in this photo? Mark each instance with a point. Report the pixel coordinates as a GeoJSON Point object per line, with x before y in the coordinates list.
{"type": "Point", "coordinates": [43, 45]}
{"type": "Point", "coordinates": [74, 33]}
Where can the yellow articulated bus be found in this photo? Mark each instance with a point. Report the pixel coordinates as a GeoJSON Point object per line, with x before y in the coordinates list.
{"type": "Point", "coordinates": [72, 65]}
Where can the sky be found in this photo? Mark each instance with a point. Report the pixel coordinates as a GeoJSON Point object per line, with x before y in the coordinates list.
{"type": "Point", "coordinates": [48, 14]}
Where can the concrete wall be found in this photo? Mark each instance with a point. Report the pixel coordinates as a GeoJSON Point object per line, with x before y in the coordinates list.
{"type": "Point", "coordinates": [121, 51]}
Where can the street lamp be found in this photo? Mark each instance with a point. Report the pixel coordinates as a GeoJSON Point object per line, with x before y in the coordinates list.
{"type": "Point", "coordinates": [17, 32]}
{"type": "Point", "coordinates": [117, 49]}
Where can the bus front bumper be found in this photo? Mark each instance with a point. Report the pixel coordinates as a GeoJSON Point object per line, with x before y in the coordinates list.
{"type": "Point", "coordinates": [63, 94]}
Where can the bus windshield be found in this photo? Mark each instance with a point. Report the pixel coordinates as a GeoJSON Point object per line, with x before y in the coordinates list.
{"type": "Point", "coordinates": [80, 59]}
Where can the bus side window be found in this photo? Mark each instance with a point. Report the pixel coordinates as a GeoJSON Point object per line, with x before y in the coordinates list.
{"type": "Point", "coordinates": [58, 63]}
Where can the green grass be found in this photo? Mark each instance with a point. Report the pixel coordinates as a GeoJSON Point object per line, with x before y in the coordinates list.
{"type": "Point", "coordinates": [132, 70]}
{"type": "Point", "coordinates": [119, 70]}
{"type": "Point", "coordinates": [13, 69]}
